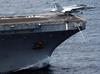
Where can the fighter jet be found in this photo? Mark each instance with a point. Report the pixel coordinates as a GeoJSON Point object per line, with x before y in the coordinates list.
{"type": "Point", "coordinates": [70, 9]}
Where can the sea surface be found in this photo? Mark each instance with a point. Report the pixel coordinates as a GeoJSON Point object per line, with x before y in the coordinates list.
{"type": "Point", "coordinates": [74, 55]}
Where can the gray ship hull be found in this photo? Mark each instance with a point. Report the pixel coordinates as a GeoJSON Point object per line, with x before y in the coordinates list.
{"type": "Point", "coordinates": [27, 42]}
{"type": "Point", "coordinates": [17, 52]}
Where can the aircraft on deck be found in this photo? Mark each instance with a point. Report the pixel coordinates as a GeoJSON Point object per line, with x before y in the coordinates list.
{"type": "Point", "coordinates": [70, 9]}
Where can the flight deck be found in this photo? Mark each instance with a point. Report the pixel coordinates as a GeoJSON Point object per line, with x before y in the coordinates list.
{"type": "Point", "coordinates": [8, 20]}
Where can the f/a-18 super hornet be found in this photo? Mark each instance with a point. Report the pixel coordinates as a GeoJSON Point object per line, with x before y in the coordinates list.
{"type": "Point", "coordinates": [70, 9]}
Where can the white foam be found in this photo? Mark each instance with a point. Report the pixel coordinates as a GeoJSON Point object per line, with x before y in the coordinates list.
{"type": "Point", "coordinates": [37, 65]}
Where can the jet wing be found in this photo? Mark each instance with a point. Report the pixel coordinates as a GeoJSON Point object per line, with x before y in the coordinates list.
{"type": "Point", "coordinates": [72, 9]}
{"type": "Point", "coordinates": [67, 10]}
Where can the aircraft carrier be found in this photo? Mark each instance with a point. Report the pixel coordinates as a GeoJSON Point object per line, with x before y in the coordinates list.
{"type": "Point", "coordinates": [27, 41]}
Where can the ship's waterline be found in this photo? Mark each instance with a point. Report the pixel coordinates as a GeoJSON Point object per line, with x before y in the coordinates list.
{"type": "Point", "coordinates": [38, 65]}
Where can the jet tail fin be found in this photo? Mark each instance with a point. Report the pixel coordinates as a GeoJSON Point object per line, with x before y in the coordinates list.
{"type": "Point", "coordinates": [58, 7]}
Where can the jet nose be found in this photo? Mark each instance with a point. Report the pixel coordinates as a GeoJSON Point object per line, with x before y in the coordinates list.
{"type": "Point", "coordinates": [92, 7]}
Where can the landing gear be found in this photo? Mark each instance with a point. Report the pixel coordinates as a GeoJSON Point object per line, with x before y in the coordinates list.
{"type": "Point", "coordinates": [66, 13]}
{"type": "Point", "coordinates": [81, 12]}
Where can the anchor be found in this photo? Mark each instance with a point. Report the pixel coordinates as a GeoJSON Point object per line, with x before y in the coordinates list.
{"type": "Point", "coordinates": [38, 45]}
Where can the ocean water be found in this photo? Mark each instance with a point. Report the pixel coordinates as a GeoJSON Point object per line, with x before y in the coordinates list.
{"type": "Point", "coordinates": [73, 56]}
